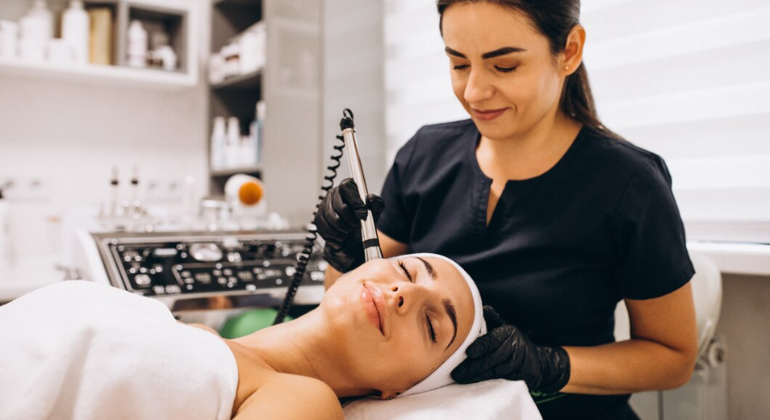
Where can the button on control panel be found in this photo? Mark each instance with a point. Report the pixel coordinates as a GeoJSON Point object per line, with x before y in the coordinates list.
{"type": "Point", "coordinates": [158, 264]}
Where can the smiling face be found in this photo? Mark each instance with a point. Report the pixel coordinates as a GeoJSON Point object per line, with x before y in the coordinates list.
{"type": "Point", "coordinates": [397, 320]}
{"type": "Point", "coordinates": [502, 69]}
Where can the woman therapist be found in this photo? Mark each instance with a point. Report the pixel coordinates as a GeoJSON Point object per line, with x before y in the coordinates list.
{"type": "Point", "coordinates": [554, 216]}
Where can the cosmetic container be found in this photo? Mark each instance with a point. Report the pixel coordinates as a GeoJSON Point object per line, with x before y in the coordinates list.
{"type": "Point", "coordinates": [137, 45]}
{"type": "Point", "coordinates": [35, 30]}
{"type": "Point", "coordinates": [75, 30]}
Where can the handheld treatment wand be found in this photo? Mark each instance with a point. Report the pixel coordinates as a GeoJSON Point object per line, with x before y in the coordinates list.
{"type": "Point", "coordinates": [368, 231]}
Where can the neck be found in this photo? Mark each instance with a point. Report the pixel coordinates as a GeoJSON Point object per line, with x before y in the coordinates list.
{"type": "Point", "coordinates": [529, 153]}
{"type": "Point", "coordinates": [301, 347]}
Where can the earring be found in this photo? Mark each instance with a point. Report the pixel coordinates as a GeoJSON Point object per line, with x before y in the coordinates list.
{"type": "Point", "coordinates": [566, 67]}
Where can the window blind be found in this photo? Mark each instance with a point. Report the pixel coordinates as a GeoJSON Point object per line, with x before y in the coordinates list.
{"type": "Point", "coordinates": [690, 81]}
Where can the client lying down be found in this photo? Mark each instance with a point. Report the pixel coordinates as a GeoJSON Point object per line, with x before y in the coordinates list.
{"type": "Point", "coordinates": [78, 350]}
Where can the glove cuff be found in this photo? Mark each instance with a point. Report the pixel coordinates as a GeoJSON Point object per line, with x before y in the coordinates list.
{"type": "Point", "coordinates": [556, 370]}
{"type": "Point", "coordinates": [341, 261]}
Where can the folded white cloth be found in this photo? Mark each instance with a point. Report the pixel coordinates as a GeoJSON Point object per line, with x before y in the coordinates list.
{"type": "Point", "coordinates": [79, 350]}
{"type": "Point", "coordinates": [488, 400]}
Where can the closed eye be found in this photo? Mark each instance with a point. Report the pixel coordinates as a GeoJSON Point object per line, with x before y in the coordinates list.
{"type": "Point", "coordinates": [460, 67]}
{"type": "Point", "coordinates": [505, 69]}
{"type": "Point", "coordinates": [430, 328]}
{"type": "Point", "coordinates": [406, 272]}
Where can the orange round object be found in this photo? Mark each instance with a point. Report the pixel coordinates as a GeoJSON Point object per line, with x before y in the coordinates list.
{"type": "Point", "coordinates": [250, 193]}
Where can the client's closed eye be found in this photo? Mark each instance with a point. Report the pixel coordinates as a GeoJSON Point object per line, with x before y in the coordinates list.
{"type": "Point", "coordinates": [406, 272]}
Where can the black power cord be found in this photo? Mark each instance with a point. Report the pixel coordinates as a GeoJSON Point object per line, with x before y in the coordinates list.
{"type": "Point", "coordinates": [312, 234]}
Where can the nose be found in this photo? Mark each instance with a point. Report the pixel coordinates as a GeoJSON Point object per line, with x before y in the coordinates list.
{"type": "Point", "coordinates": [478, 87]}
{"type": "Point", "coordinates": [405, 296]}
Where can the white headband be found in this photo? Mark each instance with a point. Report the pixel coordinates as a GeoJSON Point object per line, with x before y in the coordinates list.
{"type": "Point", "coordinates": [441, 376]}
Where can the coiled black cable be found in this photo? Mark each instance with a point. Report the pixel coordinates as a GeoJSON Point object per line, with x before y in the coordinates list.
{"type": "Point", "coordinates": [304, 257]}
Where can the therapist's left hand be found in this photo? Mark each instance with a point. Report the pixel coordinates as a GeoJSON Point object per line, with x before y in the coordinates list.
{"type": "Point", "coordinates": [506, 353]}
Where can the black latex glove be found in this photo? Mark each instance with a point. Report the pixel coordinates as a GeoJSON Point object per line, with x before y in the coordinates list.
{"type": "Point", "coordinates": [504, 352]}
{"type": "Point", "coordinates": [338, 221]}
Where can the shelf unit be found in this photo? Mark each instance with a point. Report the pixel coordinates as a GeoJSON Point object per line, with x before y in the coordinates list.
{"type": "Point", "coordinates": [236, 96]}
{"type": "Point", "coordinates": [290, 85]}
{"type": "Point", "coordinates": [98, 74]}
{"type": "Point", "coordinates": [178, 17]}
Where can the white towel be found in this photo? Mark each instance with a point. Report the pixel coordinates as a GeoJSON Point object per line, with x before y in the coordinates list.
{"type": "Point", "coordinates": [79, 350]}
{"type": "Point", "coordinates": [497, 399]}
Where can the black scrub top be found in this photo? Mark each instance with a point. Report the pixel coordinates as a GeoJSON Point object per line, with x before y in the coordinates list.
{"type": "Point", "coordinates": [560, 250]}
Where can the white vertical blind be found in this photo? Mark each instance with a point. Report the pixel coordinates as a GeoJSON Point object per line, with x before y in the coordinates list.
{"type": "Point", "coordinates": [687, 79]}
{"type": "Point", "coordinates": [690, 80]}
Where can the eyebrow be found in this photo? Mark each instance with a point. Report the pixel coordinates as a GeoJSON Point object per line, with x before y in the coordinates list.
{"type": "Point", "coordinates": [491, 54]}
{"type": "Point", "coordinates": [449, 307]}
{"type": "Point", "coordinates": [429, 268]}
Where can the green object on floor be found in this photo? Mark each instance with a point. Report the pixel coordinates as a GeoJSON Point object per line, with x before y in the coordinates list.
{"type": "Point", "coordinates": [249, 322]}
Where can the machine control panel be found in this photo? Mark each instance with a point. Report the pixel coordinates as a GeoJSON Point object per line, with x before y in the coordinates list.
{"type": "Point", "coordinates": [187, 264]}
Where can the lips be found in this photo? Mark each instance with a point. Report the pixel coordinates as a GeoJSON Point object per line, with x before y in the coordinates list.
{"type": "Point", "coordinates": [374, 305]}
{"type": "Point", "coordinates": [487, 115]}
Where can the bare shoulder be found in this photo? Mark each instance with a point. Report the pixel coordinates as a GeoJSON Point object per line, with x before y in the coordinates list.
{"type": "Point", "coordinates": [289, 397]}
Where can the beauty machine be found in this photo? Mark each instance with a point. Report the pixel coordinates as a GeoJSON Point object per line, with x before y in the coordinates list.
{"type": "Point", "coordinates": [207, 276]}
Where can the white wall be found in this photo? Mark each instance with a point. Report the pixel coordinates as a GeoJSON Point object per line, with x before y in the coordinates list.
{"type": "Point", "coordinates": [354, 78]}
{"type": "Point", "coordinates": [70, 135]}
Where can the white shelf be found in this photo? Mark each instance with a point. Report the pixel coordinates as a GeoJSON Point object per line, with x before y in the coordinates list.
{"type": "Point", "coordinates": [98, 74]}
{"type": "Point", "coordinates": [736, 258]}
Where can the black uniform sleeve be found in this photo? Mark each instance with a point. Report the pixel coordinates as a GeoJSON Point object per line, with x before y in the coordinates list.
{"type": "Point", "coordinates": [396, 219]}
{"type": "Point", "coordinates": [652, 255]}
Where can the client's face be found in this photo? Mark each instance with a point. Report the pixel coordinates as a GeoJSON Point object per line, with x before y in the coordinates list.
{"type": "Point", "coordinates": [398, 320]}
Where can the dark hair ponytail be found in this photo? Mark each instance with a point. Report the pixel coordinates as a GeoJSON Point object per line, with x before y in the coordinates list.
{"type": "Point", "coordinates": [554, 19]}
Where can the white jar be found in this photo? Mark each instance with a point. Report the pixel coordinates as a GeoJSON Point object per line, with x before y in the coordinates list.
{"type": "Point", "coordinates": [137, 45]}
{"type": "Point", "coordinates": [75, 30]}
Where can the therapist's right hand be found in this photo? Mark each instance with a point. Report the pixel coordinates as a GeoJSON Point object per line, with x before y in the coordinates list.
{"type": "Point", "coordinates": [338, 221]}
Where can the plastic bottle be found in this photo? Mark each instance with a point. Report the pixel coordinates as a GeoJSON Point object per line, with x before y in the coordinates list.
{"type": "Point", "coordinates": [5, 257]}
{"type": "Point", "coordinates": [36, 29]}
{"type": "Point", "coordinates": [75, 30]}
{"type": "Point", "coordinates": [218, 140]}
{"type": "Point", "coordinates": [137, 45]}
{"type": "Point", "coordinates": [233, 142]}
